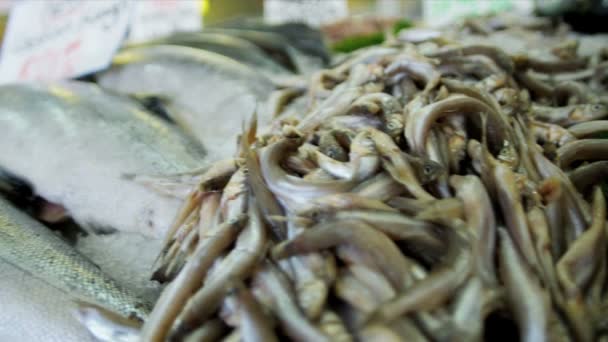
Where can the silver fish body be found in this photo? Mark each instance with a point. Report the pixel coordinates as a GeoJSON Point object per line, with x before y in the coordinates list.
{"type": "Point", "coordinates": [74, 144]}
{"type": "Point", "coordinates": [227, 45]}
{"type": "Point", "coordinates": [210, 94]}
{"type": "Point", "coordinates": [30, 246]}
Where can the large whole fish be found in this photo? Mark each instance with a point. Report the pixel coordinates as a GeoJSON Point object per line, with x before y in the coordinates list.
{"type": "Point", "coordinates": [303, 37]}
{"type": "Point", "coordinates": [307, 41]}
{"type": "Point", "coordinates": [229, 46]}
{"type": "Point", "coordinates": [73, 143]}
{"type": "Point", "coordinates": [32, 247]}
{"type": "Point", "coordinates": [209, 94]}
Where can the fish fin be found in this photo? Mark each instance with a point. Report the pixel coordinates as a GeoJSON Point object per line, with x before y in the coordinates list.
{"type": "Point", "coordinates": [252, 130]}
{"type": "Point", "coordinates": [106, 325]}
{"type": "Point", "coordinates": [247, 138]}
{"type": "Point", "coordinates": [176, 185]}
{"type": "Point", "coordinates": [191, 203]}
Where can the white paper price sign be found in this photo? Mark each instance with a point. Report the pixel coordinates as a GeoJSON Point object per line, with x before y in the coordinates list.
{"type": "Point", "coordinates": [313, 12]}
{"type": "Point", "coordinates": [441, 12]}
{"type": "Point", "coordinates": [155, 18]}
{"type": "Point", "coordinates": [51, 40]}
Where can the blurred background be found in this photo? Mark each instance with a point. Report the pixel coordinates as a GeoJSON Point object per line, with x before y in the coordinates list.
{"type": "Point", "coordinates": [370, 15]}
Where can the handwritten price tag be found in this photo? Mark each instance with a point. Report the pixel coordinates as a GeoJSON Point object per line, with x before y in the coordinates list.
{"type": "Point", "coordinates": [52, 40]}
{"type": "Point", "coordinates": [313, 12]}
{"type": "Point", "coordinates": [155, 18]}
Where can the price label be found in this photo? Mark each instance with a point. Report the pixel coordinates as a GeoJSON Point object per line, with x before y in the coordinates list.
{"type": "Point", "coordinates": [52, 40]}
{"type": "Point", "coordinates": [312, 12]}
{"type": "Point", "coordinates": [441, 12]}
{"type": "Point", "coordinates": [155, 18]}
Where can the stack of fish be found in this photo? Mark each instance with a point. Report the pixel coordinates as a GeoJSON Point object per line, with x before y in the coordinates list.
{"type": "Point", "coordinates": [420, 190]}
{"type": "Point", "coordinates": [228, 70]}
{"type": "Point", "coordinates": [430, 189]}
{"type": "Point", "coordinates": [75, 149]}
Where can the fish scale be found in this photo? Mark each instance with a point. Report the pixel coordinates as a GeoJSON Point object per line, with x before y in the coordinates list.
{"type": "Point", "coordinates": [74, 143]}
{"type": "Point", "coordinates": [32, 247]}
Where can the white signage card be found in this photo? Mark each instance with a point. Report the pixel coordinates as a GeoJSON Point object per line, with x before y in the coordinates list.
{"type": "Point", "coordinates": [52, 40]}
{"type": "Point", "coordinates": [312, 12]}
{"type": "Point", "coordinates": [155, 18]}
{"type": "Point", "coordinates": [441, 12]}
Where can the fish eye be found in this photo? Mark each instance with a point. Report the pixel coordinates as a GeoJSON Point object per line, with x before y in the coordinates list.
{"type": "Point", "coordinates": [597, 106]}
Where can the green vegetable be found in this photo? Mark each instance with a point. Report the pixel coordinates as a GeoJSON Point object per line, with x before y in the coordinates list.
{"type": "Point", "coordinates": [357, 42]}
{"type": "Point", "coordinates": [353, 43]}
{"type": "Point", "coordinates": [400, 25]}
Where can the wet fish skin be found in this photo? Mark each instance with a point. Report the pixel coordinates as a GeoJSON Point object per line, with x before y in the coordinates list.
{"type": "Point", "coordinates": [433, 290]}
{"type": "Point", "coordinates": [229, 46]}
{"type": "Point", "coordinates": [570, 115]}
{"type": "Point", "coordinates": [176, 294]}
{"type": "Point", "coordinates": [75, 144]}
{"type": "Point", "coordinates": [33, 248]}
{"type": "Point", "coordinates": [576, 267]}
{"type": "Point", "coordinates": [292, 191]}
{"type": "Point", "coordinates": [303, 37]}
{"type": "Point", "coordinates": [589, 128]}
{"type": "Point", "coordinates": [212, 330]}
{"type": "Point", "coordinates": [254, 324]}
{"type": "Point", "coordinates": [380, 251]}
{"type": "Point", "coordinates": [274, 44]}
{"type": "Point", "coordinates": [514, 215]}
{"type": "Point", "coordinates": [106, 326]}
{"type": "Point", "coordinates": [284, 305]}
{"type": "Point", "coordinates": [492, 52]}
{"type": "Point", "coordinates": [200, 84]}
{"type": "Point", "coordinates": [398, 166]}
{"type": "Point", "coordinates": [585, 176]}
{"type": "Point", "coordinates": [523, 291]}
{"type": "Point", "coordinates": [238, 264]}
{"type": "Point", "coordinates": [581, 150]}
{"type": "Point", "coordinates": [480, 217]}
{"type": "Point", "coordinates": [417, 67]}
{"type": "Point", "coordinates": [420, 122]}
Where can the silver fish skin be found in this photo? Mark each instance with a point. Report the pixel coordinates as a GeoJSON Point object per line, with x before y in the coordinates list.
{"type": "Point", "coordinates": [209, 94]}
{"type": "Point", "coordinates": [74, 143]}
{"type": "Point", "coordinates": [32, 247]}
{"type": "Point", "coordinates": [224, 44]}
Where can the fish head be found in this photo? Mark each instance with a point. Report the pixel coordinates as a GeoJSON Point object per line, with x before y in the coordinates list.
{"type": "Point", "coordinates": [430, 171]}
{"type": "Point", "coordinates": [596, 111]}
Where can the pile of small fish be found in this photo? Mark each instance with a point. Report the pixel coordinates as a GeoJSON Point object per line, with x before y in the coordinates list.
{"type": "Point", "coordinates": [427, 190]}
{"type": "Point", "coordinates": [86, 155]}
